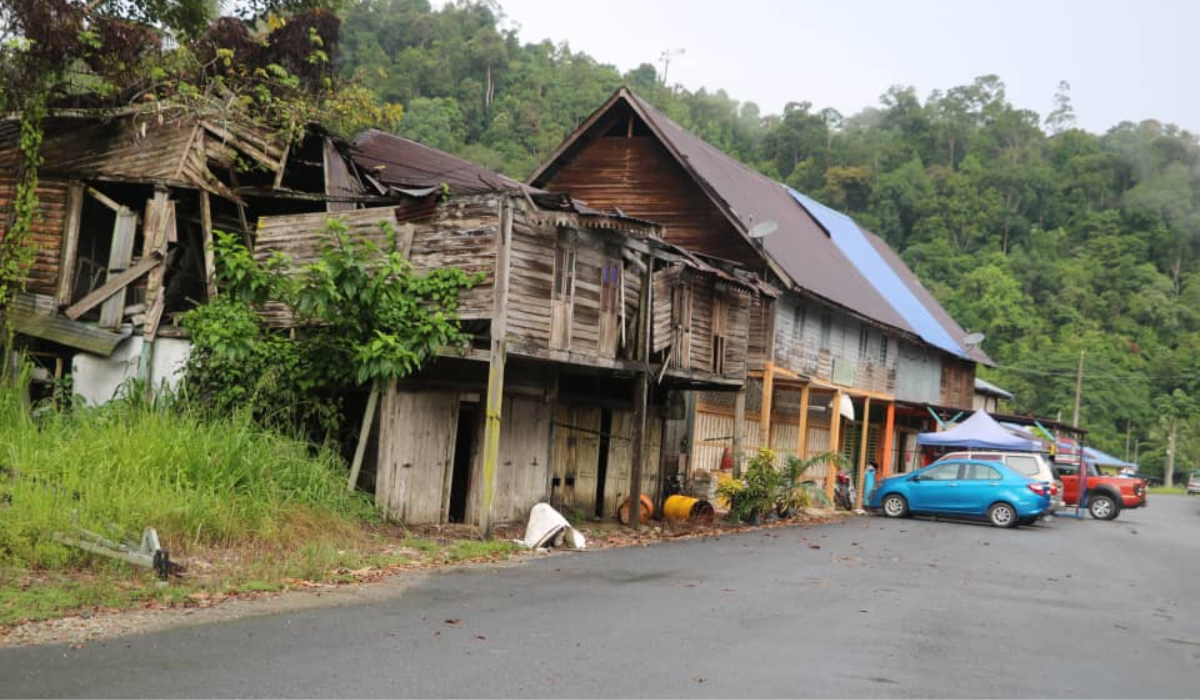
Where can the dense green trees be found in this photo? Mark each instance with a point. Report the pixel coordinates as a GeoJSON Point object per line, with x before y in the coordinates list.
{"type": "Point", "coordinates": [1049, 239]}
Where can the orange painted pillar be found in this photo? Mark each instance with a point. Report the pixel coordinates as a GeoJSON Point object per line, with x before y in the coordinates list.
{"type": "Point", "coordinates": [889, 427]}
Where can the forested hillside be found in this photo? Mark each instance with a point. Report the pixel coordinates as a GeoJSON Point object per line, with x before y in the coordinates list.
{"type": "Point", "coordinates": [1048, 239]}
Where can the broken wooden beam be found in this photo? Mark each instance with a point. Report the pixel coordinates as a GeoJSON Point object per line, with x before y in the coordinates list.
{"type": "Point", "coordinates": [112, 286]}
{"type": "Point", "coordinates": [25, 318]}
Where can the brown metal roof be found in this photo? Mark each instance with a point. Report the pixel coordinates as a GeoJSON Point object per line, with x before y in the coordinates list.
{"type": "Point", "coordinates": [409, 165]}
{"type": "Point", "coordinates": [800, 249]}
{"type": "Point", "coordinates": [924, 296]}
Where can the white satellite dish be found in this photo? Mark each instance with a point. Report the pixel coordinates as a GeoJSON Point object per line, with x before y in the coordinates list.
{"type": "Point", "coordinates": [763, 228]}
{"type": "Point", "coordinates": [973, 339]}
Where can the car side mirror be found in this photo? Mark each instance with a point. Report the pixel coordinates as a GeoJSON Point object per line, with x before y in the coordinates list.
{"type": "Point", "coordinates": [916, 477]}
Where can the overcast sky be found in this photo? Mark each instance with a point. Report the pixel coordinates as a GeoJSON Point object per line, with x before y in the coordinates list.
{"type": "Point", "coordinates": [1124, 60]}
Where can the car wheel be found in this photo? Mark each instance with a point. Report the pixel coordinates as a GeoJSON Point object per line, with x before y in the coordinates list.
{"type": "Point", "coordinates": [1103, 507]}
{"type": "Point", "coordinates": [894, 506]}
{"type": "Point", "coordinates": [1002, 515]}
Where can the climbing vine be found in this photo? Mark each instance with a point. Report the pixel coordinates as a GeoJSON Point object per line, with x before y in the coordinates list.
{"type": "Point", "coordinates": [16, 252]}
{"type": "Point", "coordinates": [362, 314]}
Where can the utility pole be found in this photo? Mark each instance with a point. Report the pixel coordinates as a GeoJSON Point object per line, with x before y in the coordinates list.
{"type": "Point", "coordinates": [1078, 389]}
{"type": "Point", "coordinates": [1169, 476]}
{"type": "Point", "coordinates": [1128, 429]}
{"type": "Point", "coordinates": [665, 57]}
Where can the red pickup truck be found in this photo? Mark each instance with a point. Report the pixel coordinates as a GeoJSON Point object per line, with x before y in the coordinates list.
{"type": "Point", "coordinates": [1106, 495]}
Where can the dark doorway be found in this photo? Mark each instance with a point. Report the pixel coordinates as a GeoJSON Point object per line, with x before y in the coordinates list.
{"type": "Point", "coordinates": [602, 466]}
{"type": "Point", "coordinates": [460, 478]}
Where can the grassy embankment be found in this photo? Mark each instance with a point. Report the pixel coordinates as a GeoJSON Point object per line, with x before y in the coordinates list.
{"type": "Point", "coordinates": [245, 508]}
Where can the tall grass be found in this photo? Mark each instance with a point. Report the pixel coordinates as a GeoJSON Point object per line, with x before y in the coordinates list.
{"type": "Point", "coordinates": [200, 480]}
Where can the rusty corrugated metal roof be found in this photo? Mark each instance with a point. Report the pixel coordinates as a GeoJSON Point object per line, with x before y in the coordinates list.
{"type": "Point", "coordinates": [406, 164]}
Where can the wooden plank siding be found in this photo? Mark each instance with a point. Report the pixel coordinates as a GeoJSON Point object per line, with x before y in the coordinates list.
{"type": "Point", "coordinates": [957, 383]}
{"type": "Point", "coordinates": [523, 466]}
{"type": "Point", "coordinates": [818, 341]}
{"type": "Point", "coordinates": [46, 233]}
{"type": "Point", "coordinates": [638, 175]}
{"type": "Point", "coordinates": [462, 235]}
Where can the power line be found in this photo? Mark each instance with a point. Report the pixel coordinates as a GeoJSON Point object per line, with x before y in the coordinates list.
{"type": "Point", "coordinates": [1092, 375]}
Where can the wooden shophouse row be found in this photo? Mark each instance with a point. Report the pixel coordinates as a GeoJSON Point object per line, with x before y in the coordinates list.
{"type": "Point", "coordinates": [585, 322]}
{"type": "Point", "coordinates": [853, 353]}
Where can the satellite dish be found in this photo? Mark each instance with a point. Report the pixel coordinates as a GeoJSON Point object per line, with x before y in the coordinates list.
{"type": "Point", "coordinates": [763, 228]}
{"type": "Point", "coordinates": [973, 339]}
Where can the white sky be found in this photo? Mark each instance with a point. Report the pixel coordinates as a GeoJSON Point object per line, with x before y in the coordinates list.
{"type": "Point", "coordinates": [1125, 60]}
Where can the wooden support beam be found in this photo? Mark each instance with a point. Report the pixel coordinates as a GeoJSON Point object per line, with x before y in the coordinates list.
{"type": "Point", "coordinates": [112, 286]}
{"type": "Point", "coordinates": [25, 317]}
{"type": "Point", "coordinates": [641, 397]}
{"type": "Point", "coordinates": [155, 239]}
{"type": "Point", "coordinates": [105, 199]}
{"type": "Point", "coordinates": [739, 431]}
{"type": "Point", "coordinates": [835, 442]}
{"type": "Point", "coordinates": [363, 436]}
{"type": "Point", "coordinates": [70, 243]}
{"type": "Point", "coordinates": [499, 349]}
{"type": "Point", "coordinates": [206, 230]}
{"type": "Point", "coordinates": [861, 486]}
{"type": "Point", "coordinates": [552, 397]}
{"type": "Point", "coordinates": [119, 256]}
{"type": "Point", "coordinates": [802, 438]}
{"type": "Point", "coordinates": [764, 412]}
{"type": "Point", "coordinates": [889, 427]}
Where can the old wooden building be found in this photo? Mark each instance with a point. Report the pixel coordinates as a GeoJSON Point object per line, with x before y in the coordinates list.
{"type": "Point", "coordinates": [586, 321]}
{"type": "Point", "coordinates": [853, 354]}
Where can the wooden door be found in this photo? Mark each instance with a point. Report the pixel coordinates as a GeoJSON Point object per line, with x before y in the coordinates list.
{"type": "Point", "coordinates": [416, 453]}
{"type": "Point", "coordinates": [576, 456]}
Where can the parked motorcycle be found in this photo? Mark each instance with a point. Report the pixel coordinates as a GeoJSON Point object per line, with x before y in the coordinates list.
{"type": "Point", "coordinates": [843, 492]}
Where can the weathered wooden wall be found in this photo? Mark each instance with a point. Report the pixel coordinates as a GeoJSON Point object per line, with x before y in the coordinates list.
{"type": "Point", "coordinates": [47, 230]}
{"type": "Point", "coordinates": [461, 234]}
{"type": "Point", "coordinates": [918, 374]}
{"type": "Point", "coordinates": [958, 383]}
{"type": "Point", "coordinates": [637, 174]}
{"type": "Point", "coordinates": [684, 318]}
{"type": "Point", "coordinates": [531, 311]}
{"type": "Point", "coordinates": [577, 458]}
{"type": "Point", "coordinates": [820, 342]}
{"type": "Point", "coordinates": [416, 453]}
{"type": "Point", "coordinates": [523, 469]}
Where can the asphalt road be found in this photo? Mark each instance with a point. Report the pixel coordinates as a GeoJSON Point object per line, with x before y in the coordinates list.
{"type": "Point", "coordinates": [911, 608]}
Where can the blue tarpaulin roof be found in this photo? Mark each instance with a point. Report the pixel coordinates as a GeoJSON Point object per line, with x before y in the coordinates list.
{"type": "Point", "coordinates": [979, 432]}
{"type": "Point", "coordinates": [1104, 459]}
{"type": "Point", "coordinates": [849, 238]}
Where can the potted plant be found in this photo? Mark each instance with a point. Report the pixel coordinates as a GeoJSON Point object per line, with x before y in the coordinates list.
{"type": "Point", "coordinates": [753, 496]}
{"type": "Point", "coordinates": [797, 492]}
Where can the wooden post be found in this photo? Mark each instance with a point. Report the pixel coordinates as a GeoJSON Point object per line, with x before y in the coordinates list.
{"type": "Point", "coordinates": [641, 396]}
{"type": "Point", "coordinates": [889, 427]}
{"type": "Point", "coordinates": [764, 409]}
{"type": "Point", "coordinates": [495, 391]}
{"type": "Point", "coordinates": [863, 434]}
{"type": "Point", "coordinates": [835, 437]}
{"type": "Point", "coordinates": [364, 434]}
{"type": "Point", "coordinates": [802, 438]}
{"type": "Point", "coordinates": [210, 284]}
{"type": "Point", "coordinates": [119, 257]}
{"type": "Point", "coordinates": [70, 245]}
{"type": "Point", "coordinates": [553, 398]}
{"type": "Point", "coordinates": [739, 430]}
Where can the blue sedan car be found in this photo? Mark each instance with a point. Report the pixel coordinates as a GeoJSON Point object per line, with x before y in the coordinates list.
{"type": "Point", "coordinates": [968, 488]}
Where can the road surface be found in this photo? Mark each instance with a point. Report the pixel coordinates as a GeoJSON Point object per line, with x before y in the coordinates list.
{"type": "Point", "coordinates": [865, 608]}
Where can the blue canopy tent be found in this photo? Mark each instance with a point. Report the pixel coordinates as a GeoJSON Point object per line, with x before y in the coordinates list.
{"type": "Point", "coordinates": [979, 432]}
{"type": "Point", "coordinates": [1103, 459]}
